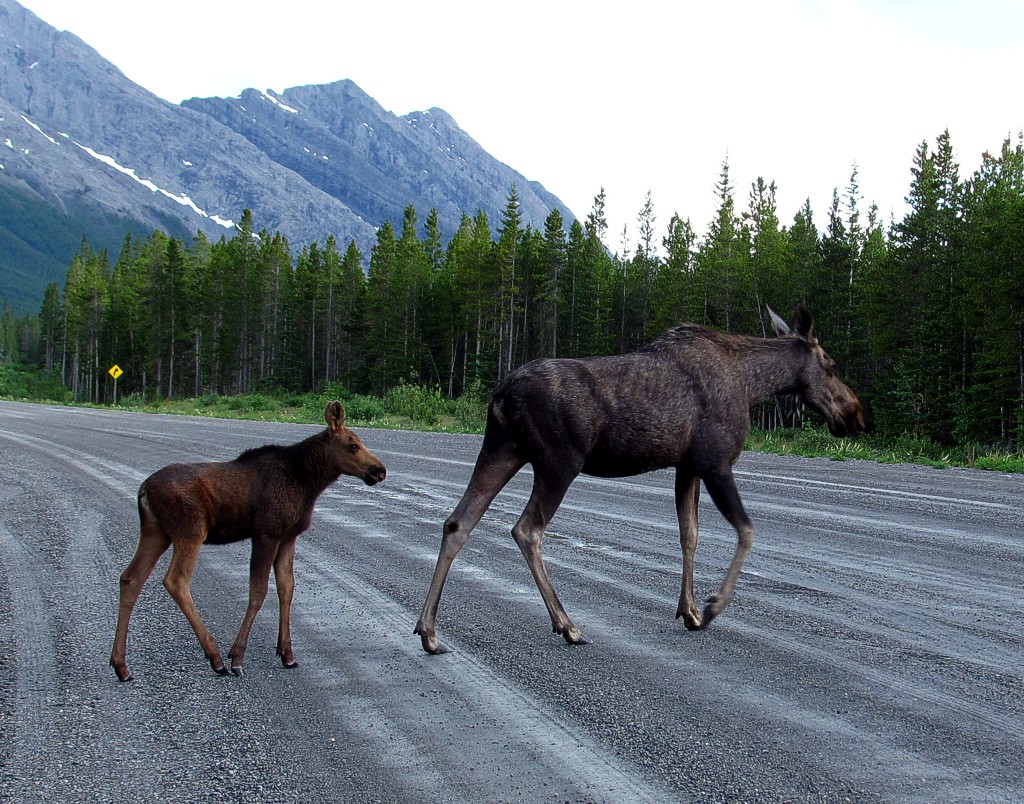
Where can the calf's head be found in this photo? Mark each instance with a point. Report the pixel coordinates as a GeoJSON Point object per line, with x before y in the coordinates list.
{"type": "Point", "coordinates": [817, 385]}
{"type": "Point", "coordinates": [351, 457]}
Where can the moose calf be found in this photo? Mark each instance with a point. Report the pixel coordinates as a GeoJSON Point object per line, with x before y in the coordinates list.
{"type": "Point", "coordinates": [266, 494]}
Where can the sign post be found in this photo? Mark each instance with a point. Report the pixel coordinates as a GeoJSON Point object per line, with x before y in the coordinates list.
{"type": "Point", "coordinates": [115, 372]}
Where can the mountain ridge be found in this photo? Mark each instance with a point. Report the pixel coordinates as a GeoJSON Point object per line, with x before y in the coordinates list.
{"type": "Point", "coordinates": [79, 141]}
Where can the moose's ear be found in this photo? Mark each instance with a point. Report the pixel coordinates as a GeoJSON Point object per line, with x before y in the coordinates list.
{"type": "Point", "coordinates": [334, 413]}
{"type": "Point", "coordinates": [803, 325]}
{"type": "Point", "coordinates": [781, 327]}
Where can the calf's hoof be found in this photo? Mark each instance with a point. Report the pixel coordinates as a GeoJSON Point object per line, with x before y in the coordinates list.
{"type": "Point", "coordinates": [218, 666]}
{"type": "Point", "coordinates": [237, 670]}
{"type": "Point", "coordinates": [122, 671]}
{"type": "Point", "coordinates": [287, 660]}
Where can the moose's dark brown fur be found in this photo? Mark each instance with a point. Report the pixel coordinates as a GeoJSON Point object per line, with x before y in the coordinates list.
{"type": "Point", "coordinates": [683, 401]}
{"type": "Point", "coordinates": [267, 495]}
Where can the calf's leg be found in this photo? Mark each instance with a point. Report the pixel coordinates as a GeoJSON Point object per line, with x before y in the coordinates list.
{"type": "Point", "coordinates": [722, 488]}
{"type": "Point", "coordinates": [687, 497]}
{"type": "Point", "coordinates": [153, 543]}
{"type": "Point", "coordinates": [264, 552]}
{"type": "Point", "coordinates": [178, 584]}
{"type": "Point", "coordinates": [284, 575]}
{"type": "Point", "coordinates": [493, 470]}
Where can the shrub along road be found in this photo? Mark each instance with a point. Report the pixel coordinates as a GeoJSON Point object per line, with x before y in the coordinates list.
{"type": "Point", "coordinates": [873, 651]}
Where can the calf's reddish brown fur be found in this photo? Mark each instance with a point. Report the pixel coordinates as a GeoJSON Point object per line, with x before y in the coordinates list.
{"type": "Point", "coordinates": [681, 402]}
{"type": "Point", "coordinates": [265, 494]}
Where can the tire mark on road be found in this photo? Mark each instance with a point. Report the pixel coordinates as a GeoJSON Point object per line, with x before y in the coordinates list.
{"type": "Point", "coordinates": [564, 752]}
{"type": "Point", "coordinates": [35, 684]}
{"type": "Point", "coordinates": [116, 476]}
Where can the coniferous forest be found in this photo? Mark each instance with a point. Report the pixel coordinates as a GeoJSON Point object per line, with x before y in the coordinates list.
{"type": "Point", "coordinates": [925, 315]}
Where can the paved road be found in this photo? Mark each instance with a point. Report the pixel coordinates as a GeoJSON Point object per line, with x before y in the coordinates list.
{"type": "Point", "coordinates": [873, 651]}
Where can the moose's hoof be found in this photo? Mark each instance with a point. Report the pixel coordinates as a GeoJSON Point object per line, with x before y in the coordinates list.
{"type": "Point", "coordinates": [573, 636]}
{"type": "Point", "coordinates": [237, 671]}
{"type": "Point", "coordinates": [287, 660]}
{"type": "Point", "coordinates": [218, 666]}
{"type": "Point", "coordinates": [693, 622]}
{"type": "Point", "coordinates": [430, 643]}
{"type": "Point", "coordinates": [713, 606]}
{"type": "Point", "coordinates": [691, 617]}
{"type": "Point", "coordinates": [121, 670]}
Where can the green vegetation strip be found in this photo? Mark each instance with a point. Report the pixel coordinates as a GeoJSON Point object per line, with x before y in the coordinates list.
{"type": "Point", "coordinates": [413, 407]}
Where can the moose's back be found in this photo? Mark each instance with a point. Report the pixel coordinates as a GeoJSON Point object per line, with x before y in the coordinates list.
{"type": "Point", "coordinates": [235, 499]}
{"type": "Point", "coordinates": [626, 414]}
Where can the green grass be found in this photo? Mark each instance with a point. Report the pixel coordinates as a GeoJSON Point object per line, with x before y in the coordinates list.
{"type": "Point", "coordinates": [817, 442]}
{"type": "Point", "coordinates": [405, 407]}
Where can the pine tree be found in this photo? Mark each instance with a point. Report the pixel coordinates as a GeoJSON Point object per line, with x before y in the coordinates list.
{"type": "Point", "coordinates": [804, 259]}
{"type": "Point", "coordinates": [923, 390]}
{"type": "Point", "coordinates": [511, 296]}
{"type": "Point", "coordinates": [636, 278]}
{"type": "Point", "coordinates": [837, 264]}
{"type": "Point", "coordinates": [992, 403]}
{"type": "Point", "coordinates": [85, 300]}
{"type": "Point", "coordinates": [384, 317]}
{"type": "Point", "coordinates": [672, 295]}
{"type": "Point", "coordinates": [351, 345]}
{"type": "Point", "coordinates": [50, 315]}
{"type": "Point", "coordinates": [309, 311]}
{"type": "Point", "coordinates": [549, 284]}
{"type": "Point", "coordinates": [594, 319]}
{"type": "Point", "coordinates": [723, 261]}
{"type": "Point", "coordinates": [771, 282]}
{"type": "Point", "coordinates": [9, 351]}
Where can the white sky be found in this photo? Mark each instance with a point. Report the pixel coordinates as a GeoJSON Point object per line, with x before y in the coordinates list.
{"type": "Point", "coordinates": [631, 95]}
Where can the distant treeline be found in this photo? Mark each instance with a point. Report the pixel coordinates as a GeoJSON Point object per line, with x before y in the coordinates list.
{"type": "Point", "coordinates": [925, 316]}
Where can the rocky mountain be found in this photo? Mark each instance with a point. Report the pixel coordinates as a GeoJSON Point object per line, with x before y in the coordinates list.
{"type": "Point", "coordinates": [84, 150]}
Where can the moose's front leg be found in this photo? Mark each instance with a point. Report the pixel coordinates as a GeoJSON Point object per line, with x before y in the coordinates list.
{"type": "Point", "coordinates": [284, 574]}
{"type": "Point", "coordinates": [264, 550]}
{"type": "Point", "coordinates": [687, 498]}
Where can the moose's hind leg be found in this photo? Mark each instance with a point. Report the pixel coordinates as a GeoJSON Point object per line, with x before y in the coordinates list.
{"type": "Point", "coordinates": [178, 585]}
{"type": "Point", "coordinates": [494, 468]}
{"type": "Point", "coordinates": [548, 491]}
{"type": "Point", "coordinates": [153, 543]}
{"type": "Point", "coordinates": [687, 497]}
{"type": "Point", "coordinates": [722, 487]}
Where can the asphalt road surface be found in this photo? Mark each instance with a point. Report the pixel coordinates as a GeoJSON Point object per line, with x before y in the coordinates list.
{"type": "Point", "coordinates": [873, 651]}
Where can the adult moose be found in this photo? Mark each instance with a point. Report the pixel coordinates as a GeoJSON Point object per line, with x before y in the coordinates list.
{"type": "Point", "coordinates": [265, 494]}
{"type": "Point", "coordinates": [683, 401]}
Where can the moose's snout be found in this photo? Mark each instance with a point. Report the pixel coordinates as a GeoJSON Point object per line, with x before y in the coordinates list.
{"type": "Point", "coordinates": [375, 475]}
{"type": "Point", "coordinates": [843, 412]}
{"type": "Point", "coordinates": [849, 421]}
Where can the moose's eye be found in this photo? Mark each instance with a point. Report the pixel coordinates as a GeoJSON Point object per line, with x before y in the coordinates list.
{"type": "Point", "coordinates": [353, 448]}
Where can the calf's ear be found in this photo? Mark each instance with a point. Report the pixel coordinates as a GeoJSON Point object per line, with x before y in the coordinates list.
{"type": "Point", "coordinates": [334, 413]}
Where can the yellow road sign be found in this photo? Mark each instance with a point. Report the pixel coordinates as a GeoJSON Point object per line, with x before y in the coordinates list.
{"type": "Point", "coordinates": [115, 371]}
